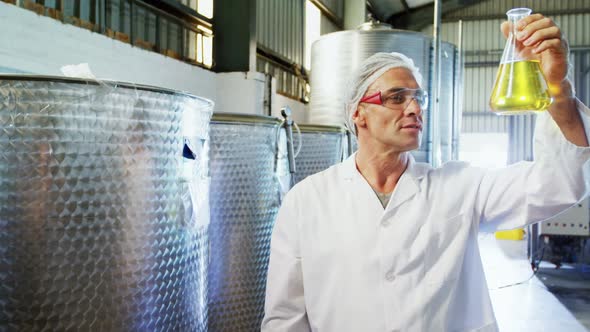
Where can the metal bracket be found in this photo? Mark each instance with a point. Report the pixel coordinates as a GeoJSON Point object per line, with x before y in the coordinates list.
{"type": "Point", "coordinates": [286, 113]}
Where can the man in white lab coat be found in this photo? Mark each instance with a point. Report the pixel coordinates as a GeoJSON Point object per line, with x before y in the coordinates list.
{"type": "Point", "coordinates": [383, 243]}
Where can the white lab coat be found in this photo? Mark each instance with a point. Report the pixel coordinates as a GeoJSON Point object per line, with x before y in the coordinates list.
{"type": "Point", "coordinates": [340, 262]}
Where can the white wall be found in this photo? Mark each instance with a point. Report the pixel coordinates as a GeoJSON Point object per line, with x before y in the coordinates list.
{"type": "Point", "coordinates": [298, 110]}
{"type": "Point", "coordinates": [41, 45]}
{"type": "Point", "coordinates": [240, 93]}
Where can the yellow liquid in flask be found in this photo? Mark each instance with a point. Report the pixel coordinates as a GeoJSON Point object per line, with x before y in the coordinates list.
{"type": "Point", "coordinates": [520, 88]}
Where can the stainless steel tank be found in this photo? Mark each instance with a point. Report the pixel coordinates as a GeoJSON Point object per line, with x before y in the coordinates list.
{"type": "Point", "coordinates": [351, 143]}
{"type": "Point", "coordinates": [97, 227]}
{"type": "Point", "coordinates": [320, 148]}
{"type": "Point", "coordinates": [336, 55]}
{"type": "Point", "coordinates": [248, 169]}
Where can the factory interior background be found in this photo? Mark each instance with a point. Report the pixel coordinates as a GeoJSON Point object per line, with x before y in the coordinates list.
{"type": "Point", "coordinates": [76, 249]}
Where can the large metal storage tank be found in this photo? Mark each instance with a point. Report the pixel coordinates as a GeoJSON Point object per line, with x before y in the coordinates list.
{"type": "Point", "coordinates": [336, 55]}
{"type": "Point", "coordinates": [98, 231]}
{"type": "Point", "coordinates": [249, 168]}
{"type": "Point", "coordinates": [321, 147]}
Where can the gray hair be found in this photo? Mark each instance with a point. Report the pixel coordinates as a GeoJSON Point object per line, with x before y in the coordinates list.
{"type": "Point", "coordinates": [370, 70]}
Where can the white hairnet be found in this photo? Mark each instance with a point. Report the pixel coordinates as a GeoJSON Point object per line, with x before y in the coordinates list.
{"type": "Point", "coordinates": [370, 70]}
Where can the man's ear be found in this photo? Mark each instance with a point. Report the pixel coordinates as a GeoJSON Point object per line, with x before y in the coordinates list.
{"type": "Point", "coordinates": [358, 117]}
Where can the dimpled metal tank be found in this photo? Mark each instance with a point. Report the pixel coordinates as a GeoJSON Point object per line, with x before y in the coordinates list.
{"type": "Point", "coordinates": [97, 228]}
{"type": "Point", "coordinates": [321, 147]}
{"type": "Point", "coordinates": [248, 167]}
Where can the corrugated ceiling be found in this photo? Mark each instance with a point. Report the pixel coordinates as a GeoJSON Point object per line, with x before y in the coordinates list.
{"type": "Point", "coordinates": [413, 14]}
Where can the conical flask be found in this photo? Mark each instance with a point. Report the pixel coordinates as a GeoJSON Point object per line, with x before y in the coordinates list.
{"type": "Point", "coordinates": [520, 85]}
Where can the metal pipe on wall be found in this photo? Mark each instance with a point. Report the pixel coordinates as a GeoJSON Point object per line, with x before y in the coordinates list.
{"type": "Point", "coordinates": [458, 101]}
{"type": "Point", "coordinates": [435, 151]}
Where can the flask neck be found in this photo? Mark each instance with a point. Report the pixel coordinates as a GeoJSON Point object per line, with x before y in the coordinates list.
{"type": "Point", "coordinates": [516, 18]}
{"type": "Point", "coordinates": [515, 14]}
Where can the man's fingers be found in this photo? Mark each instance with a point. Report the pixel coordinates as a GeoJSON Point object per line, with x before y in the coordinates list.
{"type": "Point", "coordinates": [535, 27]}
{"type": "Point", "coordinates": [506, 27]}
{"type": "Point", "coordinates": [528, 20]}
{"type": "Point", "coordinates": [554, 44]}
{"type": "Point", "coordinates": [544, 34]}
{"type": "Point", "coordinates": [541, 24]}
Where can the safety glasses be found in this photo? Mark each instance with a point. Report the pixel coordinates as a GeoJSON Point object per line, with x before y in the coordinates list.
{"type": "Point", "coordinates": [398, 100]}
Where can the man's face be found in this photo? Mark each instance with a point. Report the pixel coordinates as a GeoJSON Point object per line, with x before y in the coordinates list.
{"type": "Point", "coordinates": [391, 127]}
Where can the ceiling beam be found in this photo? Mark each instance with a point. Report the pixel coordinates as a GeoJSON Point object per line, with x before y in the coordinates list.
{"type": "Point", "coordinates": [405, 4]}
{"type": "Point", "coordinates": [338, 21]}
{"type": "Point", "coordinates": [418, 18]}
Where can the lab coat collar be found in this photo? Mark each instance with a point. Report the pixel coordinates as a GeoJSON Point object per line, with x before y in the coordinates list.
{"type": "Point", "coordinates": [407, 186]}
{"type": "Point", "coordinates": [415, 170]}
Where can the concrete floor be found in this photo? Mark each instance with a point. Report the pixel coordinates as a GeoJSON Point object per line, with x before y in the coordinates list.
{"type": "Point", "coordinates": [553, 300]}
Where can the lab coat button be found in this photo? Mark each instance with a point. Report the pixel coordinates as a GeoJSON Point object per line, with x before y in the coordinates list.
{"type": "Point", "coordinates": [385, 223]}
{"type": "Point", "coordinates": [390, 276]}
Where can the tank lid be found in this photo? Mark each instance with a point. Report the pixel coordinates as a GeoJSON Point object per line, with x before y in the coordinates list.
{"type": "Point", "coordinates": [312, 128]}
{"type": "Point", "coordinates": [244, 118]}
{"type": "Point", "coordinates": [374, 25]}
{"type": "Point", "coordinates": [109, 83]}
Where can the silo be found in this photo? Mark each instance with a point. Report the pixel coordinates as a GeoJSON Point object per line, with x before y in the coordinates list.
{"type": "Point", "coordinates": [99, 230]}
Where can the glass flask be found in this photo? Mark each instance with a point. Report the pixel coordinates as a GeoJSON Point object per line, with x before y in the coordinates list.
{"type": "Point", "coordinates": [520, 85]}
